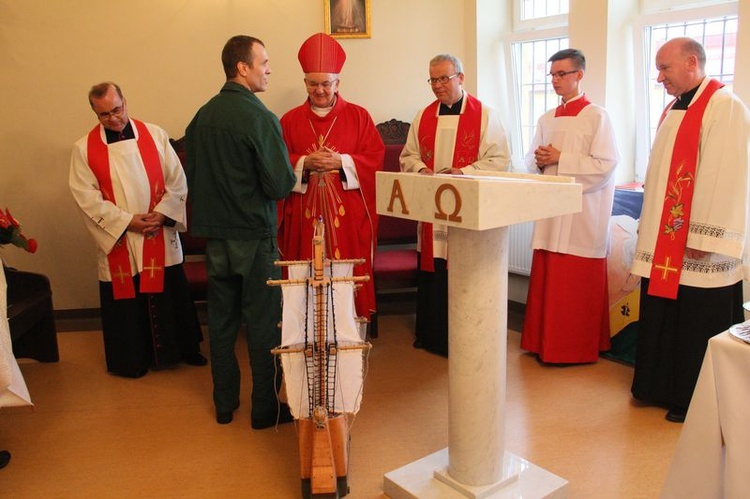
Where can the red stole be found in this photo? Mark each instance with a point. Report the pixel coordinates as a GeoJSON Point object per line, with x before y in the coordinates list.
{"type": "Point", "coordinates": [152, 279]}
{"type": "Point", "coordinates": [675, 218]}
{"type": "Point", "coordinates": [465, 152]}
{"type": "Point", "coordinates": [572, 108]}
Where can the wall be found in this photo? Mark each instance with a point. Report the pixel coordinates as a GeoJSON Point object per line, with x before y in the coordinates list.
{"type": "Point", "coordinates": [166, 57]}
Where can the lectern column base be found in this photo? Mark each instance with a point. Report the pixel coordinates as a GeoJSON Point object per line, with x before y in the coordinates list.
{"type": "Point", "coordinates": [418, 480]}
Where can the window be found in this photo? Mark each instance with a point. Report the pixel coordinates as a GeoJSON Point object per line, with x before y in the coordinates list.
{"type": "Point", "coordinates": [540, 30]}
{"type": "Point", "coordinates": [534, 9]}
{"type": "Point", "coordinates": [715, 27]}
{"type": "Point", "coordinates": [718, 37]}
{"type": "Point", "coordinates": [534, 88]}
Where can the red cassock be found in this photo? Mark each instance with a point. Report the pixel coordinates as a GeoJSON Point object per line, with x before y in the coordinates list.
{"type": "Point", "coordinates": [351, 222]}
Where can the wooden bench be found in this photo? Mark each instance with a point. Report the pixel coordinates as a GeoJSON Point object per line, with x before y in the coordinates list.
{"type": "Point", "coordinates": [194, 248]}
{"type": "Point", "coordinates": [395, 262]}
{"type": "Point", "coordinates": [30, 316]}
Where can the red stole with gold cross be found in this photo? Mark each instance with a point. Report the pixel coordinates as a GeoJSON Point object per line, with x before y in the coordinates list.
{"type": "Point", "coordinates": [465, 152]}
{"type": "Point", "coordinates": [675, 217]}
{"type": "Point", "coordinates": [154, 248]}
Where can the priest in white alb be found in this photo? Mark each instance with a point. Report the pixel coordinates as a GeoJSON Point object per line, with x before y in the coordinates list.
{"type": "Point", "coordinates": [693, 232]}
{"type": "Point", "coordinates": [455, 135]}
{"type": "Point", "coordinates": [131, 190]}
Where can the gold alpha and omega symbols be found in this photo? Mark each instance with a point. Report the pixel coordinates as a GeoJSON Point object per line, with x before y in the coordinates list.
{"type": "Point", "coordinates": [443, 191]}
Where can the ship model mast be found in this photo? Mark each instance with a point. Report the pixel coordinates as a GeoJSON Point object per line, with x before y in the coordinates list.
{"type": "Point", "coordinates": [323, 358]}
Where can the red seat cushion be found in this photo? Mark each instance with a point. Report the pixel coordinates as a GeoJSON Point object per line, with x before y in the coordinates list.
{"type": "Point", "coordinates": [197, 278]}
{"type": "Point", "coordinates": [396, 265]}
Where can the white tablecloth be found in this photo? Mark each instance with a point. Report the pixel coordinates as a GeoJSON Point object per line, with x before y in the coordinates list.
{"type": "Point", "coordinates": [712, 459]}
{"type": "Point", "coordinates": [13, 391]}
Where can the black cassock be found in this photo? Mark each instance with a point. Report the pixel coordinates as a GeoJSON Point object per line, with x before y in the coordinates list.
{"type": "Point", "coordinates": [152, 330]}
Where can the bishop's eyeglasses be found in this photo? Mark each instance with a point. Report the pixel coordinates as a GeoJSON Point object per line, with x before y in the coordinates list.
{"type": "Point", "coordinates": [562, 74]}
{"type": "Point", "coordinates": [441, 79]}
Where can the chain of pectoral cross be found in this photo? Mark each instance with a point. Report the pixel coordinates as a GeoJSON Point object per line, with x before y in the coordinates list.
{"type": "Point", "coordinates": [319, 137]}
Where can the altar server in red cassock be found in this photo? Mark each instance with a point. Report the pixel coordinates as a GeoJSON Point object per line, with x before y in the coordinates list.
{"type": "Point", "coordinates": [567, 309]}
{"type": "Point", "coordinates": [131, 189]}
{"type": "Point", "coordinates": [693, 233]}
{"type": "Point", "coordinates": [455, 135]}
{"type": "Point", "coordinates": [335, 150]}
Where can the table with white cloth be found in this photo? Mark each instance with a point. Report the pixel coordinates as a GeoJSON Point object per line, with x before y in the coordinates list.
{"type": "Point", "coordinates": [13, 391]}
{"type": "Point", "coordinates": [712, 459]}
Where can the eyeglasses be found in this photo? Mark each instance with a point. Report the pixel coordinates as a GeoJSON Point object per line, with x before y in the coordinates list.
{"type": "Point", "coordinates": [562, 74]}
{"type": "Point", "coordinates": [325, 85]}
{"type": "Point", "coordinates": [441, 79]}
{"type": "Point", "coordinates": [108, 114]}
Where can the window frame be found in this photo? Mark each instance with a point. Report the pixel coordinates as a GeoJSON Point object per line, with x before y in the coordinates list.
{"type": "Point", "coordinates": [530, 30]}
{"type": "Point", "coordinates": [680, 12]}
{"type": "Point", "coordinates": [537, 23]}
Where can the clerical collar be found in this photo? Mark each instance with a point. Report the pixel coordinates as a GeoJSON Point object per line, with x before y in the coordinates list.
{"type": "Point", "coordinates": [125, 134]}
{"type": "Point", "coordinates": [323, 111]}
{"type": "Point", "coordinates": [453, 110]}
{"type": "Point", "coordinates": [684, 100]}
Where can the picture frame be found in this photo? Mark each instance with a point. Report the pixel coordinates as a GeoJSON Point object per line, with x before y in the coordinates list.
{"type": "Point", "coordinates": [348, 18]}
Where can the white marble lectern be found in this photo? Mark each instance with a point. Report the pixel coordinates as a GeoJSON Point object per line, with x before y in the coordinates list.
{"type": "Point", "coordinates": [478, 210]}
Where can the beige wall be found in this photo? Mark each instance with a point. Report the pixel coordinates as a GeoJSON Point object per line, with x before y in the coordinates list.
{"type": "Point", "coordinates": [166, 56]}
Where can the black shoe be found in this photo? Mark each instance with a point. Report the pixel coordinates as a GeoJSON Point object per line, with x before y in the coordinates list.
{"type": "Point", "coordinates": [284, 416]}
{"type": "Point", "coordinates": [4, 458]}
{"type": "Point", "coordinates": [135, 375]}
{"type": "Point", "coordinates": [676, 415]}
{"type": "Point", "coordinates": [195, 359]}
{"type": "Point", "coordinates": [224, 417]}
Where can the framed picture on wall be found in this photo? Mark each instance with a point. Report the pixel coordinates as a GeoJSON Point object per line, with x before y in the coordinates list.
{"type": "Point", "coordinates": [348, 18]}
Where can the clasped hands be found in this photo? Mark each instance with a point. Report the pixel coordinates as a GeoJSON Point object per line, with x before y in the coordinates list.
{"type": "Point", "coordinates": [546, 156]}
{"type": "Point", "coordinates": [322, 160]}
{"type": "Point", "coordinates": [147, 224]}
{"type": "Point", "coordinates": [448, 171]}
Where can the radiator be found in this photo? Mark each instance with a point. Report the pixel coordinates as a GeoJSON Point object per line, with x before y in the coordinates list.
{"type": "Point", "coordinates": [519, 248]}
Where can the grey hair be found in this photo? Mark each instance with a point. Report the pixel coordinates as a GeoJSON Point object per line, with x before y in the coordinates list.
{"type": "Point", "coordinates": [457, 65]}
{"type": "Point", "coordinates": [691, 46]}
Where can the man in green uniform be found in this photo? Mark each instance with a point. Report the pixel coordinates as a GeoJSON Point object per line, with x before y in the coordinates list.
{"type": "Point", "coordinates": [237, 167]}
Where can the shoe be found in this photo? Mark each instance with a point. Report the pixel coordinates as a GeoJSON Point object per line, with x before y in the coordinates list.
{"type": "Point", "coordinates": [676, 415]}
{"type": "Point", "coordinates": [284, 416]}
{"type": "Point", "coordinates": [135, 375]}
{"type": "Point", "coordinates": [226, 417]}
{"type": "Point", "coordinates": [195, 359]}
{"type": "Point", "coordinates": [4, 458]}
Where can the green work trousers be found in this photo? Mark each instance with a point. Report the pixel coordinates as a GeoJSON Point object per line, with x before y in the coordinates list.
{"type": "Point", "coordinates": [237, 291]}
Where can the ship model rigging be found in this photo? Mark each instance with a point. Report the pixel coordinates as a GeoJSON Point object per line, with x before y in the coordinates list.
{"type": "Point", "coordinates": [324, 357]}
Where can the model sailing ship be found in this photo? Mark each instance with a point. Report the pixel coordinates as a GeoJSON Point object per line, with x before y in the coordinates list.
{"type": "Point", "coordinates": [324, 357]}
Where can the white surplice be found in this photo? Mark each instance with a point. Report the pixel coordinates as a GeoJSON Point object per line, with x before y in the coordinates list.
{"type": "Point", "coordinates": [106, 221]}
{"type": "Point", "coordinates": [588, 152]}
{"type": "Point", "coordinates": [719, 217]}
{"type": "Point", "coordinates": [493, 154]}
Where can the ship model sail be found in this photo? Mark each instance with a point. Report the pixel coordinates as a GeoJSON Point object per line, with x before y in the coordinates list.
{"type": "Point", "coordinates": [323, 355]}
